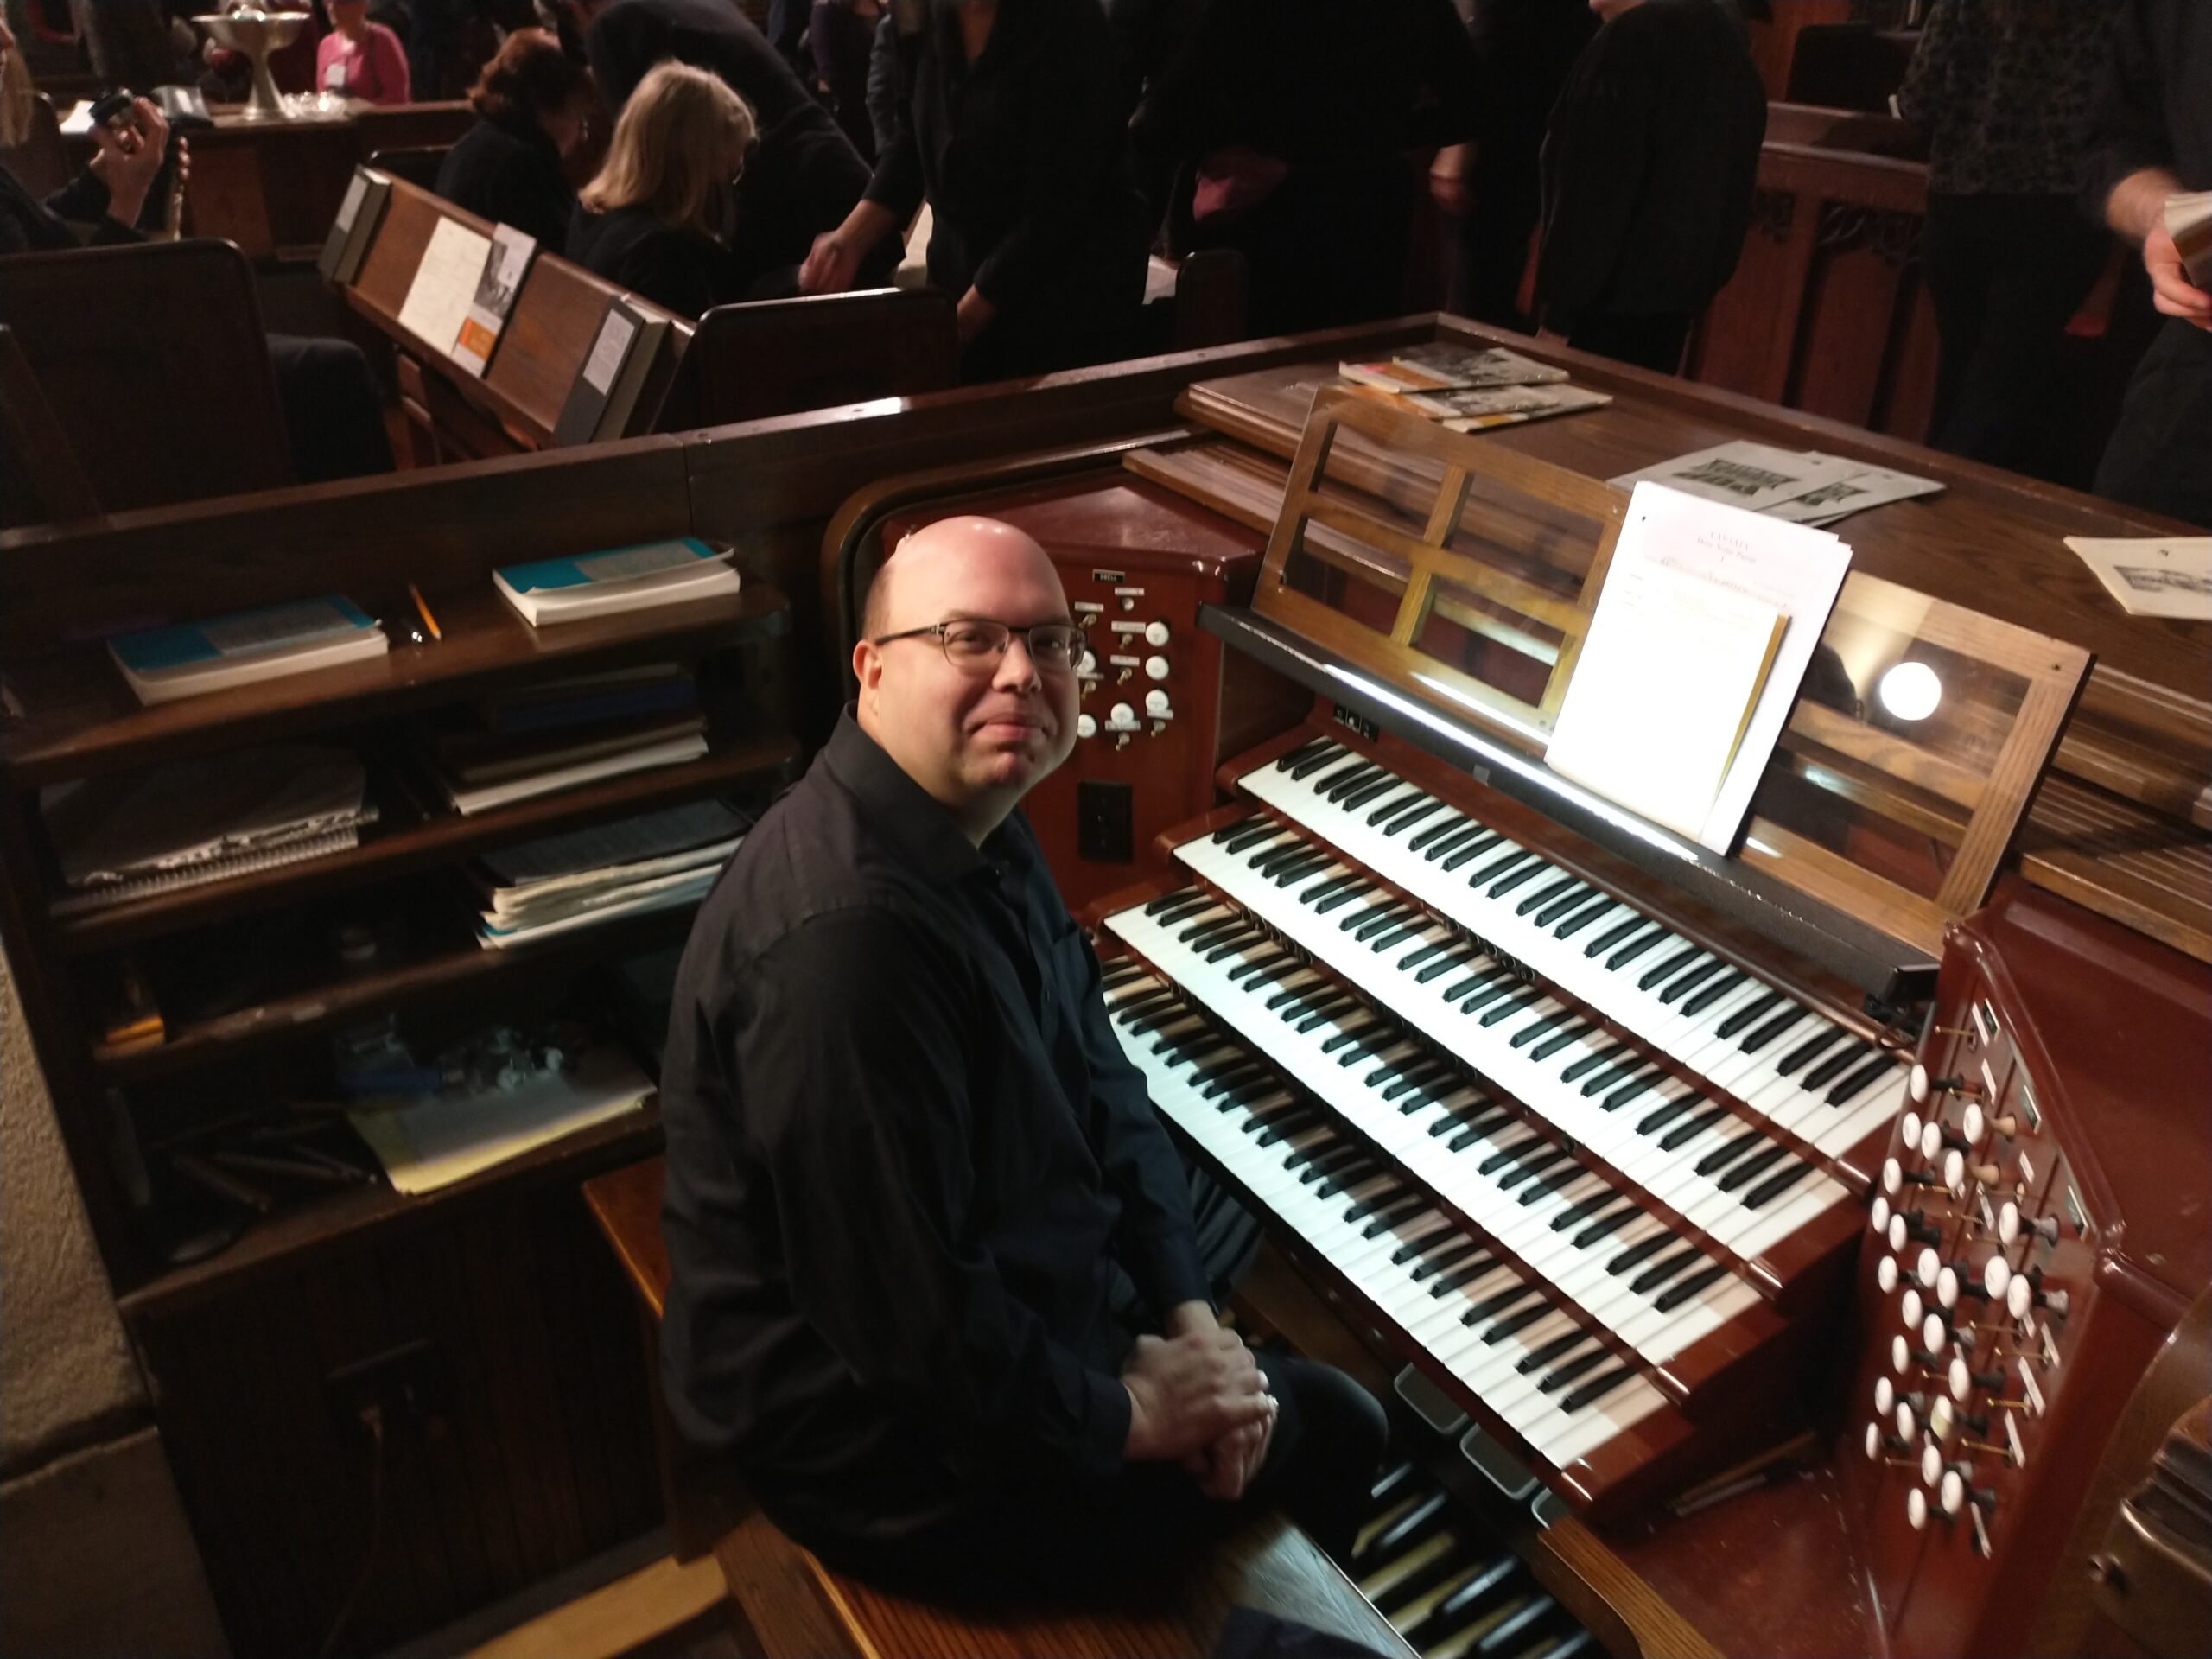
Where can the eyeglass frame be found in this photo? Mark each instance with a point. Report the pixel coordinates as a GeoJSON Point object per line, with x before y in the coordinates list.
{"type": "Point", "coordinates": [1080, 644]}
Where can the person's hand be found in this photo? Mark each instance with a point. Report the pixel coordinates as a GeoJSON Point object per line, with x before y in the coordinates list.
{"type": "Point", "coordinates": [2170, 289]}
{"type": "Point", "coordinates": [973, 314]}
{"type": "Point", "coordinates": [831, 264]}
{"type": "Point", "coordinates": [1188, 1392]}
{"type": "Point", "coordinates": [129, 154]}
{"type": "Point", "coordinates": [1447, 180]}
{"type": "Point", "coordinates": [1225, 1469]}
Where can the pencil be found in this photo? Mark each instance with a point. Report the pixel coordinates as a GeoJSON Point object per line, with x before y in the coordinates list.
{"type": "Point", "coordinates": [429, 621]}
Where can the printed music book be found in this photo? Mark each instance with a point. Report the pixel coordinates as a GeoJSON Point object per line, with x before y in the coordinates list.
{"type": "Point", "coordinates": [621, 579]}
{"type": "Point", "coordinates": [2153, 576]}
{"type": "Point", "coordinates": [606, 388]}
{"type": "Point", "coordinates": [1479, 407]}
{"type": "Point", "coordinates": [1440, 366]}
{"type": "Point", "coordinates": [583, 877]}
{"type": "Point", "coordinates": [1738, 610]}
{"type": "Point", "coordinates": [497, 285]}
{"type": "Point", "coordinates": [355, 227]}
{"type": "Point", "coordinates": [164, 663]}
{"type": "Point", "coordinates": [445, 284]}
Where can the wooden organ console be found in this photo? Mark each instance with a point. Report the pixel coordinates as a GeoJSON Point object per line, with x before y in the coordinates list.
{"type": "Point", "coordinates": [1641, 1160]}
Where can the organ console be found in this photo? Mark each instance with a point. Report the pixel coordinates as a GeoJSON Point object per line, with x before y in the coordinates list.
{"type": "Point", "coordinates": [1641, 1160]}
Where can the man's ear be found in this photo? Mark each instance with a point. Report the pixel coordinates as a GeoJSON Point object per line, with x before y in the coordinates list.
{"type": "Point", "coordinates": [868, 667]}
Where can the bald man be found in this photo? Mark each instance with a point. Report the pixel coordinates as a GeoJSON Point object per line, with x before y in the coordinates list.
{"type": "Point", "coordinates": [917, 1197]}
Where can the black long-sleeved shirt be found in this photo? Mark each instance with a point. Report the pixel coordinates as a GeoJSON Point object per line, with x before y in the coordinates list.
{"type": "Point", "coordinates": [510, 173]}
{"type": "Point", "coordinates": [29, 226]}
{"type": "Point", "coordinates": [2153, 106]}
{"type": "Point", "coordinates": [908, 1166]}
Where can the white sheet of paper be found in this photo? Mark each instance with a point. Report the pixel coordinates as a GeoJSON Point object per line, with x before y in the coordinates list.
{"type": "Point", "coordinates": [433, 1142]}
{"type": "Point", "coordinates": [1668, 673]}
{"type": "Point", "coordinates": [2153, 576]}
{"type": "Point", "coordinates": [605, 358]}
{"type": "Point", "coordinates": [1750, 475]}
{"type": "Point", "coordinates": [1867, 486]}
{"type": "Point", "coordinates": [445, 284]}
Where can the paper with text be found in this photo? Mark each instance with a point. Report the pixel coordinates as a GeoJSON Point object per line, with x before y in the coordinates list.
{"type": "Point", "coordinates": [445, 284]}
{"type": "Point", "coordinates": [2153, 576]}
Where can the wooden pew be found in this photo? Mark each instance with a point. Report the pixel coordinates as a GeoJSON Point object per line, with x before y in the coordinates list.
{"type": "Point", "coordinates": [777, 357]}
{"type": "Point", "coordinates": [516, 406]}
{"type": "Point", "coordinates": [800, 1609]}
{"type": "Point", "coordinates": [153, 359]}
{"type": "Point", "coordinates": [41, 481]}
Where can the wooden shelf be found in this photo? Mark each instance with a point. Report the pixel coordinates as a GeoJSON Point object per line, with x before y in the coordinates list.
{"type": "Point", "coordinates": [450, 972]}
{"type": "Point", "coordinates": [286, 1238]}
{"type": "Point", "coordinates": [399, 850]}
{"type": "Point", "coordinates": [82, 718]}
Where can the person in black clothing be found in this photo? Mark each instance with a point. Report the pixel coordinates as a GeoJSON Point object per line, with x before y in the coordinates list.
{"type": "Point", "coordinates": [532, 103]}
{"type": "Point", "coordinates": [803, 175]}
{"type": "Point", "coordinates": [935, 1287]}
{"type": "Point", "coordinates": [658, 219]}
{"type": "Point", "coordinates": [1006, 126]}
{"type": "Point", "coordinates": [1291, 118]}
{"type": "Point", "coordinates": [1492, 188]}
{"type": "Point", "coordinates": [1649, 167]}
{"type": "Point", "coordinates": [2152, 138]}
{"type": "Point", "coordinates": [2002, 89]}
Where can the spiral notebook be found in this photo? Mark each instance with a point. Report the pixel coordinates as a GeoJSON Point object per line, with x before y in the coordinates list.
{"type": "Point", "coordinates": [220, 869]}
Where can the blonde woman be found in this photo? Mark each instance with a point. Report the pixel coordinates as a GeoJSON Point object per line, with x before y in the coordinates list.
{"type": "Point", "coordinates": [658, 217]}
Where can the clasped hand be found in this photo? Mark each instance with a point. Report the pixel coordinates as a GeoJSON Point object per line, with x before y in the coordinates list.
{"type": "Point", "coordinates": [1196, 1398]}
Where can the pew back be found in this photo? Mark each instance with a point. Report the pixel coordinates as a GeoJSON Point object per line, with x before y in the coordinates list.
{"type": "Point", "coordinates": [778, 356]}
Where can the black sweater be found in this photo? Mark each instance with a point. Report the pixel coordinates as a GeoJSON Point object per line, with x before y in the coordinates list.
{"type": "Point", "coordinates": [510, 173]}
{"type": "Point", "coordinates": [29, 226]}
{"type": "Point", "coordinates": [676, 269]}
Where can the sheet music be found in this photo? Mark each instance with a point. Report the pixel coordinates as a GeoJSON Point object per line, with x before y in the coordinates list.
{"type": "Point", "coordinates": [445, 284]}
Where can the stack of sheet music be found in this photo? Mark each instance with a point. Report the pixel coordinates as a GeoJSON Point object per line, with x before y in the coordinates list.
{"type": "Point", "coordinates": [1467, 389]}
{"type": "Point", "coordinates": [560, 734]}
{"type": "Point", "coordinates": [585, 877]}
{"type": "Point", "coordinates": [655, 574]}
{"type": "Point", "coordinates": [192, 822]}
{"type": "Point", "coordinates": [1803, 486]}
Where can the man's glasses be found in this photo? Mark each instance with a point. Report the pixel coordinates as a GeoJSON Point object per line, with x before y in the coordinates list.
{"type": "Point", "coordinates": [975, 644]}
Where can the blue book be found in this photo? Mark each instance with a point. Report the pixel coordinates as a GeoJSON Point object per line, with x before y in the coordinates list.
{"type": "Point", "coordinates": [620, 564]}
{"type": "Point", "coordinates": [621, 579]}
{"type": "Point", "coordinates": [162, 664]}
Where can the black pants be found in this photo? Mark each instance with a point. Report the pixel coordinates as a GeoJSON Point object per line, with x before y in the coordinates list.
{"type": "Point", "coordinates": [1649, 342]}
{"type": "Point", "coordinates": [2005, 274]}
{"type": "Point", "coordinates": [1058, 1539]}
{"type": "Point", "coordinates": [2160, 455]}
{"type": "Point", "coordinates": [334, 415]}
{"type": "Point", "coordinates": [1506, 201]}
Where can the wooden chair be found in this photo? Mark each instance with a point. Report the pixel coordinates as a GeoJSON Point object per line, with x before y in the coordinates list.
{"type": "Point", "coordinates": [797, 1606]}
{"type": "Point", "coordinates": [417, 163]}
{"type": "Point", "coordinates": [41, 480]}
{"type": "Point", "coordinates": [153, 360]}
{"type": "Point", "coordinates": [778, 356]}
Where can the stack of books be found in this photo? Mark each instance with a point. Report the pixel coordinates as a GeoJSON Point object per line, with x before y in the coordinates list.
{"type": "Point", "coordinates": [130, 836]}
{"type": "Point", "coordinates": [559, 733]}
{"type": "Point", "coordinates": [1467, 389]}
{"type": "Point", "coordinates": [163, 665]}
{"type": "Point", "coordinates": [645, 577]}
{"type": "Point", "coordinates": [587, 877]}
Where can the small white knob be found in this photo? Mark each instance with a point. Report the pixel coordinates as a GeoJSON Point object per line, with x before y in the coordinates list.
{"type": "Point", "coordinates": [1917, 1083]}
{"type": "Point", "coordinates": [1926, 1267]}
{"type": "Point", "coordinates": [1909, 1125]}
{"type": "Point", "coordinates": [1933, 1331]}
{"type": "Point", "coordinates": [1931, 1463]}
{"type": "Point", "coordinates": [2008, 1226]}
{"type": "Point", "coordinates": [1156, 668]}
{"type": "Point", "coordinates": [1915, 1509]}
{"type": "Point", "coordinates": [1975, 1123]}
{"type": "Point", "coordinates": [1896, 1233]}
{"type": "Point", "coordinates": [1996, 1276]}
{"type": "Point", "coordinates": [1886, 1395]}
{"type": "Point", "coordinates": [1155, 702]}
{"type": "Point", "coordinates": [1953, 1493]}
{"type": "Point", "coordinates": [1892, 1177]}
{"type": "Point", "coordinates": [1087, 663]}
{"type": "Point", "coordinates": [1947, 1287]}
{"type": "Point", "coordinates": [1879, 1211]}
{"type": "Point", "coordinates": [1943, 1417]}
{"type": "Point", "coordinates": [1954, 1171]}
{"type": "Point", "coordinates": [1885, 1274]}
{"type": "Point", "coordinates": [1931, 1138]}
{"type": "Point", "coordinates": [1906, 1422]}
{"type": "Point", "coordinates": [1911, 1308]}
{"type": "Point", "coordinates": [1961, 1378]}
{"type": "Point", "coordinates": [1155, 634]}
{"type": "Point", "coordinates": [2019, 1296]}
{"type": "Point", "coordinates": [1873, 1441]}
{"type": "Point", "coordinates": [1900, 1355]}
{"type": "Point", "coordinates": [1086, 726]}
{"type": "Point", "coordinates": [1121, 715]}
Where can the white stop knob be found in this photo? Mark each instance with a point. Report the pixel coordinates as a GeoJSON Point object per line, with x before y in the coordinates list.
{"type": "Point", "coordinates": [1880, 1213]}
{"type": "Point", "coordinates": [1926, 1267]}
{"type": "Point", "coordinates": [2019, 1297]}
{"type": "Point", "coordinates": [1086, 726]}
{"type": "Point", "coordinates": [1947, 1287]}
{"type": "Point", "coordinates": [1915, 1509]}
{"type": "Point", "coordinates": [1885, 1395]}
{"type": "Point", "coordinates": [1953, 1493]}
{"type": "Point", "coordinates": [1931, 1138]}
{"type": "Point", "coordinates": [1155, 634]}
{"type": "Point", "coordinates": [1975, 1122]}
{"type": "Point", "coordinates": [2008, 1224]}
{"type": "Point", "coordinates": [1917, 1082]}
{"type": "Point", "coordinates": [1900, 1355]}
{"type": "Point", "coordinates": [1873, 1441]}
{"type": "Point", "coordinates": [1996, 1276]}
{"type": "Point", "coordinates": [1943, 1417]}
{"type": "Point", "coordinates": [1954, 1171]}
{"type": "Point", "coordinates": [1933, 1331]}
{"type": "Point", "coordinates": [1155, 667]}
{"type": "Point", "coordinates": [1892, 1177]}
{"type": "Point", "coordinates": [1896, 1233]}
{"type": "Point", "coordinates": [1909, 1129]}
{"type": "Point", "coordinates": [1906, 1422]}
{"type": "Point", "coordinates": [1910, 1309]}
{"type": "Point", "coordinates": [1931, 1463]}
{"type": "Point", "coordinates": [1885, 1274]}
{"type": "Point", "coordinates": [1155, 702]}
{"type": "Point", "coordinates": [1961, 1379]}
{"type": "Point", "coordinates": [1088, 663]}
{"type": "Point", "coordinates": [1121, 715]}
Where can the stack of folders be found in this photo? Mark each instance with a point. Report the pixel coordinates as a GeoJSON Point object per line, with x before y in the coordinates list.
{"type": "Point", "coordinates": [585, 877]}
{"type": "Point", "coordinates": [164, 663]}
{"type": "Point", "coordinates": [193, 821]}
{"type": "Point", "coordinates": [645, 577]}
{"type": "Point", "coordinates": [561, 734]}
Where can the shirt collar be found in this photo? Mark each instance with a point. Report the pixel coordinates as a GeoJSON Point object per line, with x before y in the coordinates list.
{"type": "Point", "coordinates": [906, 815]}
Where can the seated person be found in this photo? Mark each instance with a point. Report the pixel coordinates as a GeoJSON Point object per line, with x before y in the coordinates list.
{"type": "Point", "coordinates": [359, 59]}
{"type": "Point", "coordinates": [1008, 123]}
{"type": "Point", "coordinates": [657, 218]}
{"type": "Point", "coordinates": [804, 174]}
{"type": "Point", "coordinates": [334, 414]}
{"type": "Point", "coordinates": [532, 106]}
{"type": "Point", "coordinates": [935, 1287]}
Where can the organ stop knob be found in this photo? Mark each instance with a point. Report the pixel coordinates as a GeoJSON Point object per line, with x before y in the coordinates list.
{"type": "Point", "coordinates": [1953, 1494]}
{"type": "Point", "coordinates": [1156, 633]}
{"type": "Point", "coordinates": [1964, 1379]}
{"type": "Point", "coordinates": [1915, 1509]}
{"type": "Point", "coordinates": [1885, 1274]}
{"type": "Point", "coordinates": [2012, 1225]}
{"type": "Point", "coordinates": [1086, 726]}
{"type": "Point", "coordinates": [1978, 1123]}
{"type": "Point", "coordinates": [2026, 1292]}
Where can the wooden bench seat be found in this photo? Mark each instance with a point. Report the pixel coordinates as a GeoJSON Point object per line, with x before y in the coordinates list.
{"type": "Point", "coordinates": [796, 1605]}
